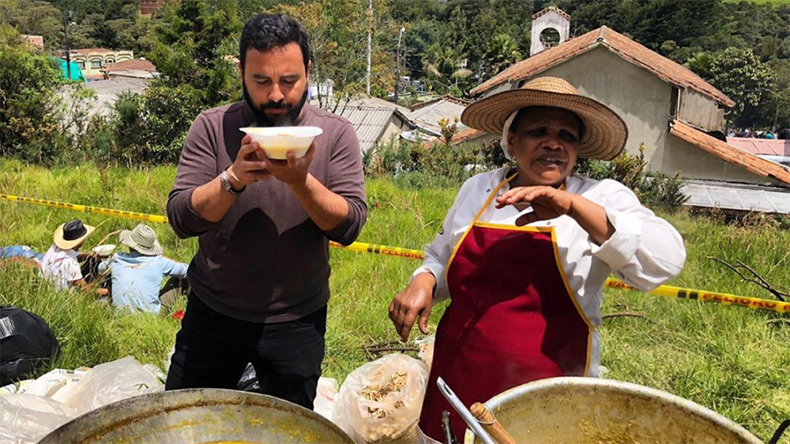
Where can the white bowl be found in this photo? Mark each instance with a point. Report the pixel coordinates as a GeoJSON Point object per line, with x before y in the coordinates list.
{"type": "Point", "coordinates": [104, 250]}
{"type": "Point", "coordinates": [277, 141]}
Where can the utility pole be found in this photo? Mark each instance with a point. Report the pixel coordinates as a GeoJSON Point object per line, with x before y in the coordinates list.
{"type": "Point", "coordinates": [370, 43]}
{"type": "Point", "coordinates": [66, 20]}
{"type": "Point", "coordinates": [397, 65]}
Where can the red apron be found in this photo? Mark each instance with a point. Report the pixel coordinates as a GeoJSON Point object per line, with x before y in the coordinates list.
{"type": "Point", "coordinates": [513, 319]}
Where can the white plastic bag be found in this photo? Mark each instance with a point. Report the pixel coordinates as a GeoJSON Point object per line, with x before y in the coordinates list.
{"type": "Point", "coordinates": [380, 402]}
{"type": "Point", "coordinates": [111, 382]}
{"type": "Point", "coordinates": [25, 419]}
{"type": "Point", "coordinates": [425, 352]}
{"type": "Point", "coordinates": [326, 392]}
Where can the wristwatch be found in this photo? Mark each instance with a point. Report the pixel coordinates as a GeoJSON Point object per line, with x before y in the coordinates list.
{"type": "Point", "coordinates": [223, 179]}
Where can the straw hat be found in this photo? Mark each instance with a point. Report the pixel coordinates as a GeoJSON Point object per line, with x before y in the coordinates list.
{"type": "Point", "coordinates": [142, 239]}
{"type": "Point", "coordinates": [71, 234]}
{"type": "Point", "coordinates": [605, 132]}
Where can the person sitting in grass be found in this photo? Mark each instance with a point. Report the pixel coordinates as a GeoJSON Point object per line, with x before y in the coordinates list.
{"type": "Point", "coordinates": [136, 276]}
{"type": "Point", "coordinates": [61, 263]}
{"type": "Point", "coordinates": [21, 253]}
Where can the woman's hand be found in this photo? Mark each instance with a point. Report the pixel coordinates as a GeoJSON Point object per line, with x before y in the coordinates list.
{"type": "Point", "coordinates": [414, 301]}
{"type": "Point", "coordinates": [547, 202]}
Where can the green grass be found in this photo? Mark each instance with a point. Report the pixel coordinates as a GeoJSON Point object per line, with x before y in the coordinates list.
{"type": "Point", "coordinates": [725, 358]}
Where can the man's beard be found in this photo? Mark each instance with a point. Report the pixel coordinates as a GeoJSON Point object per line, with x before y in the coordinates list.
{"type": "Point", "coordinates": [289, 118]}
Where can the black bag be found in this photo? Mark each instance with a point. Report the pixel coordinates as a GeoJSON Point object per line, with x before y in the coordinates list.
{"type": "Point", "coordinates": [26, 344]}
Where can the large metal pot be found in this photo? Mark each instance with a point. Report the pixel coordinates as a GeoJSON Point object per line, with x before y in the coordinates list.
{"type": "Point", "coordinates": [198, 416]}
{"type": "Point", "coordinates": [592, 410]}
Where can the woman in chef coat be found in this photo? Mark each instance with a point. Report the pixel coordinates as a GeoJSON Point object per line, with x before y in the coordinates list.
{"type": "Point", "coordinates": [524, 251]}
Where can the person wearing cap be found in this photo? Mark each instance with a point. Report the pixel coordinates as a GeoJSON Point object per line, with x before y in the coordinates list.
{"type": "Point", "coordinates": [524, 251]}
{"type": "Point", "coordinates": [137, 276]}
{"type": "Point", "coordinates": [60, 263]}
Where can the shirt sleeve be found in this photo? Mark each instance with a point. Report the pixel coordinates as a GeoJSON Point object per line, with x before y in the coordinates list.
{"type": "Point", "coordinates": [645, 251]}
{"type": "Point", "coordinates": [70, 270]}
{"type": "Point", "coordinates": [438, 253]}
{"type": "Point", "coordinates": [173, 268]}
{"type": "Point", "coordinates": [196, 166]}
{"type": "Point", "coordinates": [347, 180]}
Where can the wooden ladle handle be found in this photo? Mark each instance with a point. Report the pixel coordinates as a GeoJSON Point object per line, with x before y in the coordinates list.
{"type": "Point", "coordinates": [490, 424]}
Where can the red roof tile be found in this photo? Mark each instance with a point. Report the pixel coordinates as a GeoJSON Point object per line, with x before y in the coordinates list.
{"type": "Point", "coordinates": [631, 51]}
{"type": "Point", "coordinates": [91, 50]}
{"type": "Point", "coordinates": [131, 65]}
{"type": "Point", "coordinates": [729, 153]}
{"type": "Point", "coordinates": [765, 147]}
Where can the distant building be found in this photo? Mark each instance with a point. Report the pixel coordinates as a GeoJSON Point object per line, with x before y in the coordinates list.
{"type": "Point", "coordinates": [137, 68]}
{"type": "Point", "coordinates": [148, 7]}
{"type": "Point", "coordinates": [92, 60]}
{"type": "Point", "coordinates": [36, 41]}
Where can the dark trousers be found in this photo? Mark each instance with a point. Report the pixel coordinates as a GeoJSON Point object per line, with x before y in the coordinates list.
{"type": "Point", "coordinates": [212, 351]}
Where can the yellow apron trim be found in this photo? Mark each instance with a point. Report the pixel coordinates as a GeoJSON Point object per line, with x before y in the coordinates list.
{"type": "Point", "coordinates": [557, 259]}
{"type": "Point", "coordinates": [469, 228]}
{"type": "Point", "coordinates": [571, 294]}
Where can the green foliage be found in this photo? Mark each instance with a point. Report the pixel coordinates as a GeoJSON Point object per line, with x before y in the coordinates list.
{"type": "Point", "coordinates": [657, 191]}
{"type": "Point", "coordinates": [29, 116]}
{"type": "Point", "coordinates": [744, 78]}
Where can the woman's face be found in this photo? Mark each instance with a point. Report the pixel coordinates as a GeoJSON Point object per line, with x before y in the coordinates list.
{"type": "Point", "coordinates": [545, 145]}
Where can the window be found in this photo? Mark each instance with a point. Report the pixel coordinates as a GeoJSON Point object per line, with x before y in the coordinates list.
{"type": "Point", "coordinates": [95, 64]}
{"type": "Point", "coordinates": [81, 65]}
{"type": "Point", "coordinates": [110, 61]}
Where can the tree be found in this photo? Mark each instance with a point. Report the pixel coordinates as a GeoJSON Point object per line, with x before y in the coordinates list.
{"type": "Point", "coordinates": [502, 52]}
{"type": "Point", "coordinates": [29, 113]}
{"type": "Point", "coordinates": [444, 67]}
{"type": "Point", "coordinates": [745, 79]}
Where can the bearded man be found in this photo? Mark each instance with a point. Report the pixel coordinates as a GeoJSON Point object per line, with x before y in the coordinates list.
{"type": "Point", "coordinates": [260, 278]}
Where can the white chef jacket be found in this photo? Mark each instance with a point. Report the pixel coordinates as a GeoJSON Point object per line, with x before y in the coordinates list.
{"type": "Point", "coordinates": [645, 251]}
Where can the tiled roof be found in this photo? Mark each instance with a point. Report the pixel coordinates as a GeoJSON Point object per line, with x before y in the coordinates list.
{"type": "Point", "coordinates": [91, 50]}
{"type": "Point", "coordinates": [762, 147]}
{"type": "Point", "coordinates": [450, 99]}
{"type": "Point", "coordinates": [427, 116]}
{"type": "Point", "coordinates": [629, 50]}
{"type": "Point", "coordinates": [370, 123]}
{"type": "Point", "coordinates": [550, 9]}
{"type": "Point", "coordinates": [131, 65]}
{"type": "Point", "coordinates": [737, 197]}
{"type": "Point", "coordinates": [729, 153]}
{"type": "Point", "coordinates": [464, 135]}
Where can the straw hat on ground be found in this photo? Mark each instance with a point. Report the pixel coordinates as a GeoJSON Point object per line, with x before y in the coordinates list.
{"type": "Point", "coordinates": [71, 234]}
{"type": "Point", "coordinates": [605, 132]}
{"type": "Point", "coordinates": [142, 239]}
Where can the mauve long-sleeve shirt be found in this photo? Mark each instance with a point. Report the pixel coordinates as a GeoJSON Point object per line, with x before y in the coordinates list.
{"type": "Point", "coordinates": [266, 260]}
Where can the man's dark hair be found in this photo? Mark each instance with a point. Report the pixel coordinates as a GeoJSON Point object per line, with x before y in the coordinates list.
{"type": "Point", "coordinates": [784, 134]}
{"type": "Point", "coordinates": [268, 31]}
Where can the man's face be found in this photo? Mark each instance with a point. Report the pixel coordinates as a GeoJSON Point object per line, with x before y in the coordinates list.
{"type": "Point", "coordinates": [275, 84]}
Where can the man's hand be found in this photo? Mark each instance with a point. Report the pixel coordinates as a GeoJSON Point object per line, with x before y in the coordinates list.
{"type": "Point", "coordinates": [547, 203]}
{"type": "Point", "coordinates": [248, 167]}
{"type": "Point", "coordinates": [413, 302]}
{"type": "Point", "coordinates": [292, 171]}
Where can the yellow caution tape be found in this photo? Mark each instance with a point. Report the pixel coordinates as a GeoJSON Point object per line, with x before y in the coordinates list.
{"type": "Point", "coordinates": [709, 296]}
{"type": "Point", "coordinates": [362, 247]}
{"type": "Point", "coordinates": [664, 290]}
{"type": "Point", "coordinates": [87, 209]}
